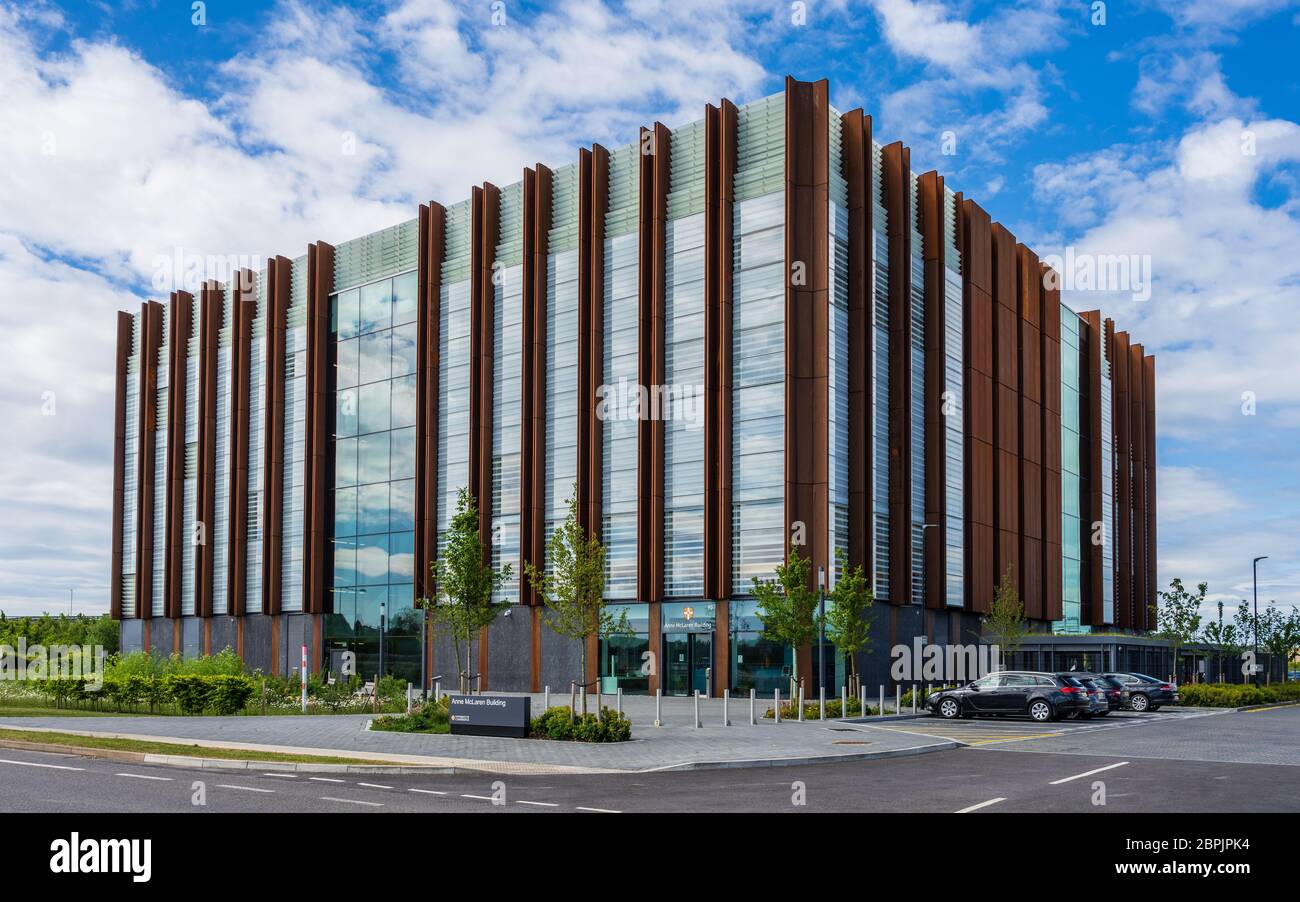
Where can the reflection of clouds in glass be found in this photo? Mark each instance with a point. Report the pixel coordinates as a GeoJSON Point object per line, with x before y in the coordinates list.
{"type": "Point", "coordinates": [373, 562]}
{"type": "Point", "coordinates": [402, 564]}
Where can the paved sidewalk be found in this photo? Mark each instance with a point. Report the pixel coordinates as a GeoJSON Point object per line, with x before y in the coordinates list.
{"type": "Point", "coordinates": [675, 745]}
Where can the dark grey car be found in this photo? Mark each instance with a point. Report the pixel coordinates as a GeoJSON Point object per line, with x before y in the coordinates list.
{"type": "Point", "coordinates": [1146, 693]}
{"type": "Point", "coordinates": [1042, 696]}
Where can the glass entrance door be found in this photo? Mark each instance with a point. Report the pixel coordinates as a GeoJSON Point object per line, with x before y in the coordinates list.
{"type": "Point", "coordinates": [688, 657]}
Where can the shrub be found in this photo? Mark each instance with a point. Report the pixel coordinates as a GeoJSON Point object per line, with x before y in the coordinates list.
{"type": "Point", "coordinates": [560, 724]}
{"type": "Point", "coordinates": [229, 693]}
{"type": "Point", "coordinates": [429, 717]}
{"type": "Point", "coordinates": [192, 693]}
{"type": "Point", "coordinates": [1232, 695]}
{"type": "Point", "coordinates": [812, 710]}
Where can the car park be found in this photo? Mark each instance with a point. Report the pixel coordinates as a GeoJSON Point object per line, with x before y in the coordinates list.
{"type": "Point", "coordinates": [1146, 693]}
{"type": "Point", "coordinates": [1113, 689]}
{"type": "Point", "coordinates": [1041, 696]}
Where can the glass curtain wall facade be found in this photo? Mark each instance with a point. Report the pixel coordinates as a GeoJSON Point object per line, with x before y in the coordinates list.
{"type": "Point", "coordinates": [880, 377]}
{"type": "Point", "coordinates": [1073, 483]}
{"type": "Point", "coordinates": [916, 358]}
{"type": "Point", "coordinates": [219, 528]}
{"type": "Point", "coordinates": [684, 367]}
{"type": "Point", "coordinates": [453, 365]}
{"type": "Point", "coordinates": [758, 344]}
{"type": "Point", "coordinates": [130, 471]}
{"type": "Point", "coordinates": [160, 468]}
{"type": "Point", "coordinates": [561, 378]}
{"type": "Point", "coordinates": [295, 439]}
{"type": "Point", "coordinates": [256, 453]}
{"type": "Point", "coordinates": [1107, 476]}
{"type": "Point", "coordinates": [619, 432]}
{"type": "Point", "coordinates": [507, 364]}
{"type": "Point", "coordinates": [954, 436]}
{"type": "Point", "coordinates": [837, 516]}
{"type": "Point", "coordinates": [189, 494]}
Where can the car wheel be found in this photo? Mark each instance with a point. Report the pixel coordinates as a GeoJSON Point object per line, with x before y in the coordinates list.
{"type": "Point", "coordinates": [1139, 702]}
{"type": "Point", "coordinates": [950, 709]}
{"type": "Point", "coordinates": [1040, 711]}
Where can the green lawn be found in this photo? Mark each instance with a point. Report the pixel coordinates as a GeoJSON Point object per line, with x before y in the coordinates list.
{"type": "Point", "coordinates": [167, 748]}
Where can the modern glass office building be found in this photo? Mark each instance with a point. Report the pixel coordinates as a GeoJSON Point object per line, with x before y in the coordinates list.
{"type": "Point", "coordinates": [756, 330]}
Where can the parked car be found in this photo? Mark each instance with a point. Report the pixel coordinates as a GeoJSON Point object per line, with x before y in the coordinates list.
{"type": "Point", "coordinates": [1042, 696]}
{"type": "Point", "coordinates": [1100, 707]}
{"type": "Point", "coordinates": [1146, 693]}
{"type": "Point", "coordinates": [1116, 694]}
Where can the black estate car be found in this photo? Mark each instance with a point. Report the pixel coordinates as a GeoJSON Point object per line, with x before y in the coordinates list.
{"type": "Point", "coordinates": [1043, 696]}
{"type": "Point", "coordinates": [1146, 693]}
{"type": "Point", "coordinates": [1096, 693]}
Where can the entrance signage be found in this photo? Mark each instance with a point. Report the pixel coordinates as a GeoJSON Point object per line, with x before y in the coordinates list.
{"type": "Point", "coordinates": [490, 715]}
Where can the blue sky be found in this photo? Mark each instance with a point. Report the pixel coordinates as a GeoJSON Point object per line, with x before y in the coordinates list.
{"type": "Point", "coordinates": [129, 131]}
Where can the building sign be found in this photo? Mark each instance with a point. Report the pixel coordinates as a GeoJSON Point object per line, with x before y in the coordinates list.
{"type": "Point", "coordinates": [688, 618]}
{"type": "Point", "coordinates": [490, 715]}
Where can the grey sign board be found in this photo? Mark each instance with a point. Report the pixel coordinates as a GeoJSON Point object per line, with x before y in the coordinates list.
{"type": "Point", "coordinates": [490, 715]}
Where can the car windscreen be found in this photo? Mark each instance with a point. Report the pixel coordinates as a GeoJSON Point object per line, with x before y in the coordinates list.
{"type": "Point", "coordinates": [1070, 681]}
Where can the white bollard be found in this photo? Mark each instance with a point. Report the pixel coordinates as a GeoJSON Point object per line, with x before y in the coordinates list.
{"type": "Point", "coordinates": [659, 694]}
{"type": "Point", "coordinates": [618, 701]}
{"type": "Point", "coordinates": [726, 699]}
{"type": "Point", "coordinates": [915, 692]}
{"type": "Point", "coordinates": [697, 711]}
{"type": "Point", "coordinates": [776, 711]}
{"type": "Point", "coordinates": [821, 703]}
{"type": "Point", "coordinates": [751, 707]}
{"type": "Point", "coordinates": [546, 697]}
{"type": "Point", "coordinates": [881, 712]}
{"type": "Point", "coordinates": [844, 701]}
{"type": "Point", "coordinates": [898, 698]}
{"type": "Point", "coordinates": [801, 702]}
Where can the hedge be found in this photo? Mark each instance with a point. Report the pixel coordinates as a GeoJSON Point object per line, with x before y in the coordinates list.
{"type": "Point", "coordinates": [561, 723]}
{"type": "Point", "coordinates": [1232, 695]}
{"type": "Point", "coordinates": [191, 693]}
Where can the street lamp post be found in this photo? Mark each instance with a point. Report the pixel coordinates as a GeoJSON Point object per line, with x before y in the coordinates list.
{"type": "Point", "coordinates": [1254, 566]}
{"type": "Point", "coordinates": [821, 627]}
{"type": "Point", "coordinates": [383, 609]}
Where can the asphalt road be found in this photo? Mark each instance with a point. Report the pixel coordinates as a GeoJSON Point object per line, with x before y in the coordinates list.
{"type": "Point", "coordinates": [1010, 765]}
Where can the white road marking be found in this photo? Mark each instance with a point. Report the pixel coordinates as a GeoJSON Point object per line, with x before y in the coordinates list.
{"type": "Point", "coordinates": [431, 792]}
{"type": "Point", "coordinates": [326, 780]}
{"type": "Point", "coordinates": [1087, 773]}
{"type": "Point", "coordinates": [981, 805]}
{"type": "Point", "coordinates": [34, 764]}
{"type": "Point", "coordinates": [282, 776]}
{"type": "Point", "coordinates": [599, 810]}
{"type": "Point", "coordinates": [143, 777]}
{"type": "Point", "coordinates": [541, 804]}
{"type": "Point", "coordinates": [465, 795]}
{"type": "Point", "coordinates": [374, 785]}
{"type": "Point", "coordinates": [352, 801]}
{"type": "Point", "coordinates": [244, 788]}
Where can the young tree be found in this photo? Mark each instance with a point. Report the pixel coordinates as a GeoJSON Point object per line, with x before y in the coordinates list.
{"type": "Point", "coordinates": [465, 581]}
{"type": "Point", "coordinates": [574, 587]}
{"type": "Point", "coordinates": [1279, 634]}
{"type": "Point", "coordinates": [788, 607]}
{"type": "Point", "coordinates": [1005, 622]}
{"type": "Point", "coordinates": [849, 615]}
{"type": "Point", "coordinates": [1223, 636]}
{"type": "Point", "coordinates": [1179, 616]}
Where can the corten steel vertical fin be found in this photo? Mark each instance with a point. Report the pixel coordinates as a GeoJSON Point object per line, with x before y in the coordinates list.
{"type": "Point", "coordinates": [1138, 439]}
{"type": "Point", "coordinates": [178, 339]}
{"type": "Point", "coordinates": [1093, 612]}
{"type": "Point", "coordinates": [432, 238]}
{"type": "Point", "coordinates": [1149, 382]}
{"type": "Point", "coordinates": [487, 210]}
{"type": "Point", "coordinates": [1029, 284]}
{"type": "Point", "coordinates": [210, 306]}
{"type": "Point", "coordinates": [1050, 357]}
{"type": "Point", "coordinates": [584, 386]}
{"type": "Point", "coordinates": [1124, 482]}
{"type": "Point", "coordinates": [151, 315]}
{"type": "Point", "coordinates": [857, 153]}
{"type": "Point", "coordinates": [979, 371]}
{"type": "Point", "coordinates": [712, 347]}
{"type": "Point", "coordinates": [120, 388]}
{"type": "Point", "coordinates": [655, 153]}
{"type": "Point", "coordinates": [533, 424]}
{"type": "Point", "coordinates": [807, 323]}
{"type": "Point", "coordinates": [896, 164]}
{"type": "Point", "coordinates": [243, 310]}
{"type": "Point", "coordinates": [277, 295]}
{"type": "Point", "coordinates": [1006, 408]}
{"type": "Point", "coordinates": [593, 300]}
{"type": "Point", "coordinates": [930, 199]}
{"type": "Point", "coordinates": [728, 135]}
{"type": "Point", "coordinates": [317, 554]}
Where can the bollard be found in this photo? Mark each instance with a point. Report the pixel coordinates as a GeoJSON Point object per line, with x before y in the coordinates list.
{"type": "Point", "coordinates": [821, 702]}
{"type": "Point", "coordinates": [437, 690]}
{"type": "Point", "coordinates": [801, 701]}
{"type": "Point", "coordinates": [844, 701]}
{"type": "Point", "coordinates": [600, 699]}
{"type": "Point", "coordinates": [776, 712]}
{"type": "Point", "coordinates": [659, 694]}
{"type": "Point", "coordinates": [618, 701]}
{"type": "Point", "coordinates": [862, 702]}
{"type": "Point", "coordinates": [881, 712]}
{"type": "Point", "coordinates": [726, 698]}
{"type": "Point", "coordinates": [697, 711]}
{"type": "Point", "coordinates": [915, 692]}
{"type": "Point", "coordinates": [546, 697]}
{"type": "Point", "coordinates": [898, 698]}
{"type": "Point", "coordinates": [408, 698]}
{"type": "Point", "coordinates": [751, 707]}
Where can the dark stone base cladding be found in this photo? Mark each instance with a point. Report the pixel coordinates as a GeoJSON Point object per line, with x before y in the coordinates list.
{"type": "Point", "coordinates": [131, 636]}
{"type": "Point", "coordinates": [560, 660]}
{"type": "Point", "coordinates": [510, 644]}
{"type": "Point", "coordinates": [224, 633]}
{"type": "Point", "coordinates": [295, 632]}
{"type": "Point", "coordinates": [161, 633]}
{"type": "Point", "coordinates": [258, 653]}
{"type": "Point", "coordinates": [191, 636]}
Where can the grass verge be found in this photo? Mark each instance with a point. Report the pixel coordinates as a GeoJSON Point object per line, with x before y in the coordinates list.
{"type": "Point", "coordinates": [148, 747]}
